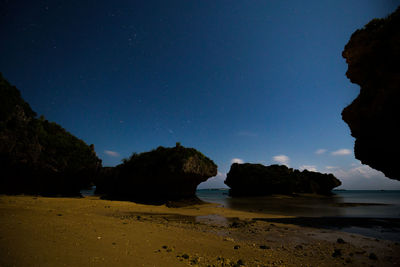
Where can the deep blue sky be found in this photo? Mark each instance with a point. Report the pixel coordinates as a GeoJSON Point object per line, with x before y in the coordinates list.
{"type": "Point", "coordinates": [244, 80]}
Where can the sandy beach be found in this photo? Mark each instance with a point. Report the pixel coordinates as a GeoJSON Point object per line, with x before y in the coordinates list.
{"type": "Point", "coordinates": [40, 231]}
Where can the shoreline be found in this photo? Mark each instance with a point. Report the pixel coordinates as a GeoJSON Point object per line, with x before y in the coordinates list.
{"type": "Point", "coordinates": [90, 231]}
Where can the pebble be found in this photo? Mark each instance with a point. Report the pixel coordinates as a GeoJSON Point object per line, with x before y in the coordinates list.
{"type": "Point", "coordinates": [340, 241]}
{"type": "Point", "coordinates": [299, 247]}
{"type": "Point", "coordinates": [240, 262]}
{"type": "Point", "coordinates": [372, 256]}
{"type": "Point", "coordinates": [195, 260]}
{"type": "Point", "coordinates": [337, 253]}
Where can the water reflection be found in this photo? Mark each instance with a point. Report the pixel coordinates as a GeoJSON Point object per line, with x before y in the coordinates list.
{"type": "Point", "coordinates": [88, 192]}
{"type": "Point", "coordinates": [351, 203]}
{"type": "Point", "coordinates": [292, 206]}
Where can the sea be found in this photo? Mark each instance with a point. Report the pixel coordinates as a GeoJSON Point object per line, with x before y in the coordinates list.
{"type": "Point", "coordinates": [371, 213]}
{"type": "Point", "coordinates": [342, 203]}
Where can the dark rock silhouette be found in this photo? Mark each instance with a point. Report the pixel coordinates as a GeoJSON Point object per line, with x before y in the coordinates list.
{"type": "Point", "coordinates": [38, 156]}
{"type": "Point", "coordinates": [163, 174]}
{"type": "Point", "coordinates": [258, 180]}
{"type": "Point", "coordinates": [373, 56]}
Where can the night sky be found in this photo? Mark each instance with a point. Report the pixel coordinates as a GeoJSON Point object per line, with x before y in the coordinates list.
{"type": "Point", "coordinates": [251, 81]}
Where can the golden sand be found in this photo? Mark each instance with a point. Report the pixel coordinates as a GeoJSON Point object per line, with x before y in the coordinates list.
{"type": "Point", "coordinates": [39, 231]}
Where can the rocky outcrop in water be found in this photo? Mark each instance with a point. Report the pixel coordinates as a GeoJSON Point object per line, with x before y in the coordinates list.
{"type": "Point", "coordinates": [373, 58]}
{"type": "Point", "coordinates": [160, 175]}
{"type": "Point", "coordinates": [258, 180]}
{"type": "Point", "coordinates": [38, 156]}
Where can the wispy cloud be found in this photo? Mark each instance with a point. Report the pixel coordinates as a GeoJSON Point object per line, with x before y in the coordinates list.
{"type": "Point", "coordinates": [237, 160]}
{"type": "Point", "coordinates": [282, 159]}
{"type": "Point", "coordinates": [363, 171]}
{"type": "Point", "coordinates": [111, 153]}
{"type": "Point", "coordinates": [364, 177]}
{"type": "Point", "coordinates": [214, 182]}
{"type": "Point", "coordinates": [342, 152]}
{"type": "Point", "coordinates": [331, 167]}
{"type": "Point", "coordinates": [311, 168]}
{"type": "Point", "coordinates": [320, 151]}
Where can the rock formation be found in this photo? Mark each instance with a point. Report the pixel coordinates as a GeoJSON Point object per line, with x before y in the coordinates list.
{"type": "Point", "coordinates": [258, 180]}
{"type": "Point", "coordinates": [160, 175]}
{"type": "Point", "coordinates": [373, 58]}
{"type": "Point", "coordinates": [38, 156]}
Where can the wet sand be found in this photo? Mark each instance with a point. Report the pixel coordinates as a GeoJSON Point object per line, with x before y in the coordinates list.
{"type": "Point", "coordinates": [38, 231]}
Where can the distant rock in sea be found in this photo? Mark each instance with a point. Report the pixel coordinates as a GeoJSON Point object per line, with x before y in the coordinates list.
{"type": "Point", "coordinates": [257, 180]}
{"type": "Point", "coordinates": [38, 156]}
{"type": "Point", "coordinates": [160, 175]}
{"type": "Point", "coordinates": [373, 56]}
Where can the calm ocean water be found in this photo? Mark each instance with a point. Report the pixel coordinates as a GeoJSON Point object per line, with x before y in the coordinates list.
{"type": "Point", "coordinates": [371, 213]}
{"type": "Point", "coordinates": [348, 203]}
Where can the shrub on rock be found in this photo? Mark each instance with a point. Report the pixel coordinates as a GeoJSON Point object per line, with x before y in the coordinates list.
{"type": "Point", "coordinates": [38, 156]}
{"type": "Point", "coordinates": [159, 175]}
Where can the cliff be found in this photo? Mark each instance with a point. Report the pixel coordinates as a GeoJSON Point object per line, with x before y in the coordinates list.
{"type": "Point", "coordinates": [373, 57]}
{"type": "Point", "coordinates": [160, 175]}
{"type": "Point", "coordinates": [38, 156]}
{"type": "Point", "coordinates": [258, 180]}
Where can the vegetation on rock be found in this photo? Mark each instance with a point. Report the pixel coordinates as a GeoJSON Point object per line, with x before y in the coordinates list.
{"type": "Point", "coordinates": [38, 156]}
{"type": "Point", "coordinates": [159, 175]}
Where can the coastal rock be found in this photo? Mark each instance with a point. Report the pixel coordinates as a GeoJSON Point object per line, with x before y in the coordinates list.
{"type": "Point", "coordinates": [160, 175]}
{"type": "Point", "coordinates": [373, 56]}
{"type": "Point", "coordinates": [38, 156]}
{"type": "Point", "coordinates": [257, 180]}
